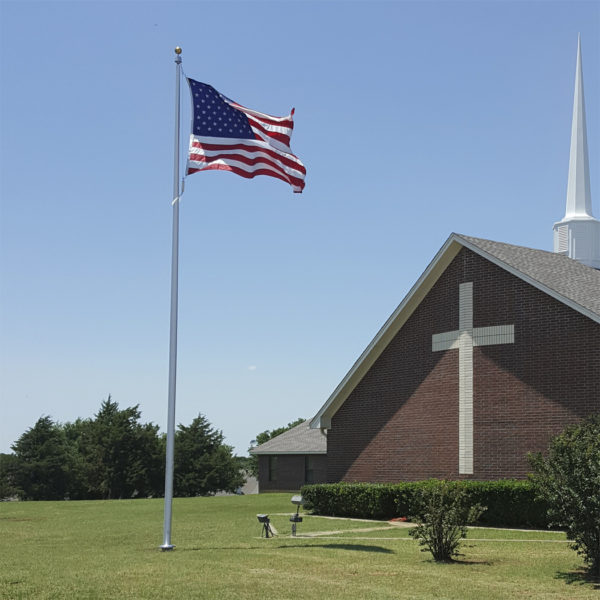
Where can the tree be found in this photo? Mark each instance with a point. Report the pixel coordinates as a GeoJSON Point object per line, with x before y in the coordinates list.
{"type": "Point", "coordinates": [8, 470]}
{"type": "Point", "coordinates": [81, 469]}
{"type": "Point", "coordinates": [265, 436]}
{"type": "Point", "coordinates": [203, 463]}
{"type": "Point", "coordinates": [44, 460]}
{"type": "Point", "coordinates": [114, 455]}
{"type": "Point", "coordinates": [444, 513]}
{"type": "Point", "coordinates": [568, 478]}
{"type": "Point", "coordinates": [121, 457]}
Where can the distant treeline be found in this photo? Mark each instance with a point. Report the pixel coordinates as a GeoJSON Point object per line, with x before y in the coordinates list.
{"type": "Point", "coordinates": [114, 455]}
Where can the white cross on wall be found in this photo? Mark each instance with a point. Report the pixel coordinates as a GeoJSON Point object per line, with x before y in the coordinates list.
{"type": "Point", "coordinates": [464, 339]}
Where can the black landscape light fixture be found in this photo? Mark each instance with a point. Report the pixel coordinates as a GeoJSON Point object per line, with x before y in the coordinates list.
{"type": "Point", "coordinates": [266, 523]}
{"type": "Point", "coordinates": [296, 518]}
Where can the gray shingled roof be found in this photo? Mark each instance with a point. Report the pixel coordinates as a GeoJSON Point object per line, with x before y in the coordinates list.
{"type": "Point", "coordinates": [567, 277]}
{"type": "Point", "coordinates": [298, 440]}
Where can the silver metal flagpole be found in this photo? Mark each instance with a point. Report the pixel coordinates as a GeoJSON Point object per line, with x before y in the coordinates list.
{"type": "Point", "coordinates": [170, 454]}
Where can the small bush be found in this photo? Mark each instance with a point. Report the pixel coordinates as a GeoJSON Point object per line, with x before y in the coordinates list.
{"type": "Point", "coordinates": [443, 512]}
{"type": "Point", "coordinates": [568, 479]}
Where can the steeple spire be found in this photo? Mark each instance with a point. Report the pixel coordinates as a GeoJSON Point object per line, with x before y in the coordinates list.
{"type": "Point", "coordinates": [578, 234]}
{"type": "Point", "coordinates": [579, 198]}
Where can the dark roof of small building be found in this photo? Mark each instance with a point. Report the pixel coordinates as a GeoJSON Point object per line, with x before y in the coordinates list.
{"type": "Point", "coordinates": [567, 280]}
{"type": "Point", "coordinates": [298, 440]}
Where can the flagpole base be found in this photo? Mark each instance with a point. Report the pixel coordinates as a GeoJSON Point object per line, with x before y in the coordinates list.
{"type": "Point", "coordinates": [166, 547]}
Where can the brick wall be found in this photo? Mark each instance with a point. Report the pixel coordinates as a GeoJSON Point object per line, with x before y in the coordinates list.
{"type": "Point", "coordinates": [290, 472]}
{"type": "Point", "coordinates": [401, 421]}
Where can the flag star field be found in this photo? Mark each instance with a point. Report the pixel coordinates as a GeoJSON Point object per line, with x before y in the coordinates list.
{"type": "Point", "coordinates": [215, 117]}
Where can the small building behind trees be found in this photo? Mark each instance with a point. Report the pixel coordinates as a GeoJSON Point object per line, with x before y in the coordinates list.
{"type": "Point", "coordinates": [292, 459]}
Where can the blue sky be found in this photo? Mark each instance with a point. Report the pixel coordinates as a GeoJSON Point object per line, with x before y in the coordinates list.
{"type": "Point", "coordinates": [414, 120]}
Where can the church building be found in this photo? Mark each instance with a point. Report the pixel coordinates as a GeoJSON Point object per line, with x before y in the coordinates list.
{"type": "Point", "coordinates": [495, 349]}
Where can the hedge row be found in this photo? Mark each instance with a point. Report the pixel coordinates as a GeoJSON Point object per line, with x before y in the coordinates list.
{"type": "Point", "coordinates": [510, 503]}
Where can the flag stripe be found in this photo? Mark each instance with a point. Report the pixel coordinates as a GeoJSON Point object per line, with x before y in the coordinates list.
{"type": "Point", "coordinates": [241, 162]}
{"type": "Point", "coordinates": [274, 135]}
{"type": "Point", "coordinates": [250, 162]}
{"type": "Point", "coordinates": [286, 125]}
{"type": "Point", "coordinates": [286, 121]}
{"type": "Point", "coordinates": [199, 160]}
{"type": "Point", "coordinates": [248, 149]}
{"type": "Point", "coordinates": [248, 172]}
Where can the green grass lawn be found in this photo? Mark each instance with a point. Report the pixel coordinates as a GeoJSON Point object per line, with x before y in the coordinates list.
{"type": "Point", "coordinates": [109, 549]}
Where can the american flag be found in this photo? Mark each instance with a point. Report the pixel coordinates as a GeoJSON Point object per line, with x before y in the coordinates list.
{"type": "Point", "coordinates": [230, 137]}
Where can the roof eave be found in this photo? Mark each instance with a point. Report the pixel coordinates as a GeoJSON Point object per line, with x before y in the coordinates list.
{"type": "Point", "coordinates": [281, 452]}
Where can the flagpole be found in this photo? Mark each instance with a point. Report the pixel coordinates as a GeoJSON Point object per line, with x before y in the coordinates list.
{"type": "Point", "coordinates": [170, 453]}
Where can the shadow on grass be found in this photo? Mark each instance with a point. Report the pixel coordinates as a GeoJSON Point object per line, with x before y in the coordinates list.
{"type": "Point", "coordinates": [579, 577]}
{"type": "Point", "coordinates": [458, 561]}
{"type": "Point", "coordinates": [356, 547]}
{"type": "Point", "coordinates": [213, 548]}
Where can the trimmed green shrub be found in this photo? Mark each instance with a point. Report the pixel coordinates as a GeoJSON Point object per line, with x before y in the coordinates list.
{"type": "Point", "coordinates": [358, 500]}
{"type": "Point", "coordinates": [510, 503]}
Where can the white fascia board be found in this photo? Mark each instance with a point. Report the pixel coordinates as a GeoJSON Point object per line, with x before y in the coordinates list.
{"type": "Point", "coordinates": [531, 281]}
{"type": "Point", "coordinates": [420, 289]}
{"type": "Point", "coordinates": [282, 452]}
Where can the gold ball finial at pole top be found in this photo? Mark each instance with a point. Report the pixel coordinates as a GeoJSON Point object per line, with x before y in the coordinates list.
{"type": "Point", "coordinates": [177, 50]}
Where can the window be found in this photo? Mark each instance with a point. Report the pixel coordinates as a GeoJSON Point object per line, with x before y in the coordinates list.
{"type": "Point", "coordinates": [309, 469]}
{"type": "Point", "coordinates": [272, 468]}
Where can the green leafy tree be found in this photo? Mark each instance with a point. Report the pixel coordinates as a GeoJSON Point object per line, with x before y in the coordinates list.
{"type": "Point", "coordinates": [265, 436]}
{"type": "Point", "coordinates": [243, 463]}
{"type": "Point", "coordinates": [443, 514]}
{"type": "Point", "coordinates": [81, 469]}
{"type": "Point", "coordinates": [203, 463]}
{"type": "Point", "coordinates": [8, 469]}
{"type": "Point", "coordinates": [44, 460]}
{"type": "Point", "coordinates": [120, 457]}
{"type": "Point", "coordinates": [568, 478]}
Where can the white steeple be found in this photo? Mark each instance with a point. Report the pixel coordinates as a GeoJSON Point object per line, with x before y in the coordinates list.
{"type": "Point", "coordinates": [578, 234]}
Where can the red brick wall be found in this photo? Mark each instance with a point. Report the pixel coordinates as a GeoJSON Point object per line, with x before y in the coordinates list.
{"type": "Point", "coordinates": [290, 472]}
{"type": "Point", "coordinates": [401, 422]}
